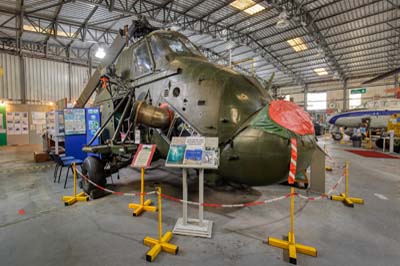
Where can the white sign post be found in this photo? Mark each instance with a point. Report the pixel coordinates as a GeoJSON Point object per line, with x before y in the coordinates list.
{"type": "Point", "coordinates": [193, 153]}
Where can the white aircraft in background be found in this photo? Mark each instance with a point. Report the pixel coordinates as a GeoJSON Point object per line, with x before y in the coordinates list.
{"type": "Point", "coordinates": [375, 114]}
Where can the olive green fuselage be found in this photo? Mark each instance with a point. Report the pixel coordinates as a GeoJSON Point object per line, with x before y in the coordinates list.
{"type": "Point", "coordinates": [215, 101]}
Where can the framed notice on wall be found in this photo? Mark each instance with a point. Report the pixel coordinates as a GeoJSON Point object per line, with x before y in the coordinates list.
{"type": "Point", "coordinates": [74, 121]}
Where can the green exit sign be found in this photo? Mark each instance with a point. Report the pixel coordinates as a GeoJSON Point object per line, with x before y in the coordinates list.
{"type": "Point", "coordinates": [358, 91]}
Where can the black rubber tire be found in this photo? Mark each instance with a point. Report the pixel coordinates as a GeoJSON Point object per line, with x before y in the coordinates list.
{"type": "Point", "coordinates": [337, 136]}
{"type": "Point", "coordinates": [93, 167]}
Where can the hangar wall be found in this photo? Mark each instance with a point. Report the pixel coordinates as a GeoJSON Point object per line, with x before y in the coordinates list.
{"type": "Point", "coordinates": [46, 80]}
{"type": "Point", "coordinates": [334, 89]}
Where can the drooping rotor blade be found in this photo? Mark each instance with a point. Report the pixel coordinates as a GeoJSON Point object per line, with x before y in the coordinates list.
{"type": "Point", "coordinates": [382, 76]}
{"type": "Point", "coordinates": [136, 29]}
{"type": "Point", "coordinates": [268, 84]}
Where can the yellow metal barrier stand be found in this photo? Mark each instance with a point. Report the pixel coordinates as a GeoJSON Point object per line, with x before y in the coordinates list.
{"type": "Point", "coordinates": [327, 167]}
{"type": "Point", "coordinates": [144, 205]}
{"type": "Point", "coordinates": [290, 244]}
{"type": "Point", "coordinates": [342, 133]}
{"type": "Point", "coordinates": [344, 197]}
{"type": "Point", "coordinates": [69, 200]}
{"type": "Point", "coordinates": [162, 243]}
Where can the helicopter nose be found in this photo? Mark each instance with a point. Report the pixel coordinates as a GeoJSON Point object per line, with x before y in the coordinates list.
{"type": "Point", "coordinates": [291, 116]}
{"type": "Point", "coordinates": [260, 154]}
{"type": "Point", "coordinates": [255, 157]}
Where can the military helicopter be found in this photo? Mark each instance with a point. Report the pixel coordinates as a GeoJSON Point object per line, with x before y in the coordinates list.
{"type": "Point", "coordinates": [162, 86]}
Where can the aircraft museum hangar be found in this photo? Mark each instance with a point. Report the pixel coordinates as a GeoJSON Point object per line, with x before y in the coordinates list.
{"type": "Point", "coordinates": [199, 132]}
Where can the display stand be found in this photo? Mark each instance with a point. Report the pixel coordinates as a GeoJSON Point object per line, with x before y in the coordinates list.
{"type": "Point", "coordinates": [193, 153]}
{"type": "Point", "coordinates": [192, 226]}
{"type": "Point", "coordinates": [142, 160]}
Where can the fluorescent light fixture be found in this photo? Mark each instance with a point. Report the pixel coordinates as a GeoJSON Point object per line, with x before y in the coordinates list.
{"type": "Point", "coordinates": [248, 6]}
{"type": "Point", "coordinates": [297, 44]}
{"type": "Point", "coordinates": [41, 30]}
{"type": "Point", "coordinates": [254, 9]}
{"type": "Point", "coordinates": [321, 71]}
{"type": "Point", "coordinates": [242, 4]}
{"type": "Point", "coordinates": [100, 53]}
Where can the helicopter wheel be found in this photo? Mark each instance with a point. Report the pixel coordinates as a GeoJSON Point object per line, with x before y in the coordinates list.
{"type": "Point", "coordinates": [337, 136]}
{"type": "Point", "coordinates": [93, 168]}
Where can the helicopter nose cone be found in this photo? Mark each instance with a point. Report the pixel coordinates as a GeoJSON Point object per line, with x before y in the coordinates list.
{"type": "Point", "coordinates": [260, 153]}
{"type": "Point", "coordinates": [291, 116]}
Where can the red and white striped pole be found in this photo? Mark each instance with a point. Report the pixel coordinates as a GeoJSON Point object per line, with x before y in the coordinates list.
{"type": "Point", "coordinates": [293, 161]}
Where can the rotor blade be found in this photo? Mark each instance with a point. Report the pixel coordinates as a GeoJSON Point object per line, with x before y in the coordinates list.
{"type": "Point", "coordinates": [382, 76]}
{"type": "Point", "coordinates": [268, 84]}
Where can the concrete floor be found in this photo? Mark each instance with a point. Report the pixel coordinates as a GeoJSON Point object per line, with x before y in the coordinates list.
{"type": "Point", "coordinates": [103, 232]}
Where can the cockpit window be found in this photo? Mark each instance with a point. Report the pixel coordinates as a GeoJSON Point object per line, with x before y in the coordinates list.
{"type": "Point", "coordinates": [142, 62]}
{"type": "Point", "coordinates": [177, 46]}
{"type": "Point", "coordinates": [191, 46]}
{"type": "Point", "coordinates": [173, 43]}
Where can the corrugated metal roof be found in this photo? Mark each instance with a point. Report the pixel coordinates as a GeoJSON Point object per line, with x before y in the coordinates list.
{"type": "Point", "coordinates": [360, 34]}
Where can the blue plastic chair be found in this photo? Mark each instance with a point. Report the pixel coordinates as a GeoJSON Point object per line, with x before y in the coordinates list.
{"type": "Point", "coordinates": [67, 162]}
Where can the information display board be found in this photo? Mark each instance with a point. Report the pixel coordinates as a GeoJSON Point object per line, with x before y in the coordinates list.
{"type": "Point", "coordinates": [17, 123]}
{"type": "Point", "coordinates": [143, 156]}
{"type": "Point", "coordinates": [193, 152]}
{"type": "Point", "coordinates": [74, 121]}
{"type": "Point", "coordinates": [92, 125]}
{"type": "Point", "coordinates": [55, 123]}
{"type": "Point", "coordinates": [38, 122]}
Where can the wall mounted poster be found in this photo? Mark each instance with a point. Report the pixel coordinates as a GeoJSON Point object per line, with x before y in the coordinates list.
{"type": "Point", "coordinates": [24, 123]}
{"type": "Point", "coordinates": [38, 118]}
{"type": "Point", "coordinates": [17, 123]}
{"type": "Point", "coordinates": [74, 121]}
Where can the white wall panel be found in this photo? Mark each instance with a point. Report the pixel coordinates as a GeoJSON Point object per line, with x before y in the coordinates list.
{"type": "Point", "coordinates": [10, 81]}
{"type": "Point", "coordinates": [79, 78]}
{"type": "Point", "coordinates": [45, 80]}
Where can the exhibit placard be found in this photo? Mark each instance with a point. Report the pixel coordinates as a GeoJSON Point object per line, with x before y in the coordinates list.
{"type": "Point", "coordinates": [143, 156]}
{"type": "Point", "coordinates": [193, 152]}
{"type": "Point", "coordinates": [74, 121]}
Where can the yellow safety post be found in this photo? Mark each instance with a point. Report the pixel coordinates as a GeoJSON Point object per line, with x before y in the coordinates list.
{"type": "Point", "coordinates": [144, 205]}
{"type": "Point", "coordinates": [342, 133]}
{"type": "Point", "coordinates": [344, 197]}
{"type": "Point", "coordinates": [327, 167]}
{"type": "Point", "coordinates": [160, 244]}
{"type": "Point", "coordinates": [291, 244]}
{"type": "Point", "coordinates": [370, 145]}
{"type": "Point", "coordinates": [69, 200]}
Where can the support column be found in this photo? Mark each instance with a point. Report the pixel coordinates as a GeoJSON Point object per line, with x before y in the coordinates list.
{"type": "Point", "coordinates": [396, 85]}
{"type": "Point", "coordinates": [69, 74]}
{"type": "Point", "coordinates": [345, 101]}
{"type": "Point", "coordinates": [20, 30]}
{"type": "Point", "coordinates": [90, 61]}
{"type": "Point", "coordinates": [305, 96]}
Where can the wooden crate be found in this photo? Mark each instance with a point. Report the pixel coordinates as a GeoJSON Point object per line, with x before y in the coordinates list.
{"type": "Point", "coordinates": [41, 157]}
